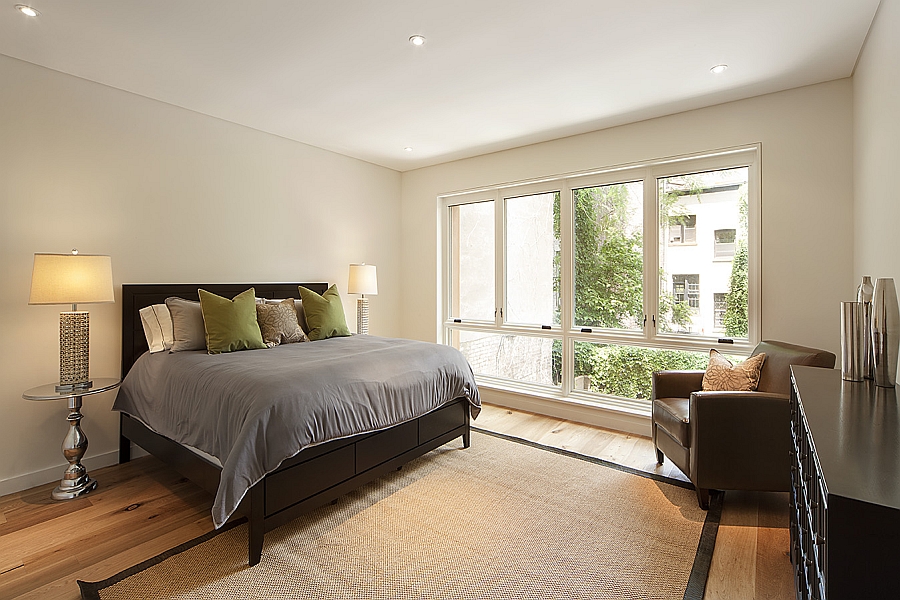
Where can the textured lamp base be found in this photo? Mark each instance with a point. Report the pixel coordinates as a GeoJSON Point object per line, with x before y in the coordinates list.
{"type": "Point", "coordinates": [362, 315]}
{"type": "Point", "coordinates": [75, 481]}
{"type": "Point", "coordinates": [74, 351]}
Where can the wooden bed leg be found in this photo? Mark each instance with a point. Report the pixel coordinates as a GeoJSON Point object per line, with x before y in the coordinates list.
{"type": "Point", "coordinates": [124, 444]}
{"type": "Point", "coordinates": [257, 523]}
{"type": "Point", "coordinates": [467, 439]}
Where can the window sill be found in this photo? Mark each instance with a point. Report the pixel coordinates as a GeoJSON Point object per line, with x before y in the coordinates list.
{"type": "Point", "coordinates": [619, 414]}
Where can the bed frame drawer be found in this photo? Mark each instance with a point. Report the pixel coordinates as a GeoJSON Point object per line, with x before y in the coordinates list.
{"type": "Point", "coordinates": [442, 420]}
{"type": "Point", "coordinates": [385, 445]}
{"type": "Point", "coordinates": [283, 489]}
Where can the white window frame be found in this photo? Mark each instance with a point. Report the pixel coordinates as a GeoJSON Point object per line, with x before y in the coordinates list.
{"type": "Point", "coordinates": [649, 172]}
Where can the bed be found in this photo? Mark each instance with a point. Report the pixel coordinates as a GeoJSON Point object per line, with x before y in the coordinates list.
{"type": "Point", "coordinates": [297, 481]}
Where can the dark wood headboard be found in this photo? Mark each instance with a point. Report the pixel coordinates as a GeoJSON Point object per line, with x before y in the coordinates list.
{"type": "Point", "coordinates": [138, 296]}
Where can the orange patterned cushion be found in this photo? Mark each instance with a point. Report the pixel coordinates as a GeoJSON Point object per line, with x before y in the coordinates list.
{"type": "Point", "coordinates": [723, 376]}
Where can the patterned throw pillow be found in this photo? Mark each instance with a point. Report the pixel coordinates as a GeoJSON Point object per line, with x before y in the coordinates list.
{"type": "Point", "coordinates": [723, 376]}
{"type": "Point", "coordinates": [278, 323]}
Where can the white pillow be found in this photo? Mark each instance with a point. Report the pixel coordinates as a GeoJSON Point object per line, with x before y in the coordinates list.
{"type": "Point", "coordinates": [158, 328]}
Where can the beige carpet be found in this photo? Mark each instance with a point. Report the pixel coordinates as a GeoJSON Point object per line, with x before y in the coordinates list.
{"type": "Point", "coordinates": [502, 519]}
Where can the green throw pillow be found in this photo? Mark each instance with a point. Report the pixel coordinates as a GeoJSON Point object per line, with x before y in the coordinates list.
{"type": "Point", "coordinates": [324, 314]}
{"type": "Point", "coordinates": [230, 324]}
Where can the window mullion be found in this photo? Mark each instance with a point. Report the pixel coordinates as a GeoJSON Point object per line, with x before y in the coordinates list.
{"type": "Point", "coordinates": [500, 259]}
{"type": "Point", "coordinates": [754, 245]}
{"type": "Point", "coordinates": [651, 254]}
{"type": "Point", "coordinates": [567, 284]}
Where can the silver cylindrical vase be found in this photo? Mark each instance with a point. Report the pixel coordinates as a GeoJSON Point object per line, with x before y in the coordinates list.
{"type": "Point", "coordinates": [864, 294]}
{"type": "Point", "coordinates": [853, 341]}
{"type": "Point", "coordinates": [885, 332]}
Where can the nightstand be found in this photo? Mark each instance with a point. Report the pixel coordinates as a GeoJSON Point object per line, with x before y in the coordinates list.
{"type": "Point", "coordinates": [76, 481]}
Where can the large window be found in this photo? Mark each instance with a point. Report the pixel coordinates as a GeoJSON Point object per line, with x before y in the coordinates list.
{"type": "Point", "coordinates": [581, 286]}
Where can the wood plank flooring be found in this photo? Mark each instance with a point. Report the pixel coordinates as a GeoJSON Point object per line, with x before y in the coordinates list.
{"type": "Point", "coordinates": [143, 508]}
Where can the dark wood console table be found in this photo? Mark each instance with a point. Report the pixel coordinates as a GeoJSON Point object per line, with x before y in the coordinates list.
{"type": "Point", "coordinates": [845, 500]}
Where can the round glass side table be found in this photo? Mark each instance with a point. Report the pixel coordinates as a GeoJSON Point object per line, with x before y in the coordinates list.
{"type": "Point", "coordinates": [76, 481]}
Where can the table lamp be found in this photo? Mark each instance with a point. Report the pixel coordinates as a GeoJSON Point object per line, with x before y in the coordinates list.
{"type": "Point", "coordinates": [362, 281]}
{"type": "Point", "coordinates": [72, 279]}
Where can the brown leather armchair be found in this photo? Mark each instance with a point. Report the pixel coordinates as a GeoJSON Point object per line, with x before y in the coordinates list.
{"type": "Point", "coordinates": [731, 440]}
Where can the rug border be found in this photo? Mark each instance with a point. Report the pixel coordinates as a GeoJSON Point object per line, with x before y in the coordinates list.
{"type": "Point", "coordinates": [90, 590]}
{"type": "Point", "coordinates": [696, 585]}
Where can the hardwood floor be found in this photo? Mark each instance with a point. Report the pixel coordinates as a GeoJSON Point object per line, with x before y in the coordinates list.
{"type": "Point", "coordinates": [144, 508]}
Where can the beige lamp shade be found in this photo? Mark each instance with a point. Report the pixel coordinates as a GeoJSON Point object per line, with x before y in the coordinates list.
{"type": "Point", "coordinates": [71, 279]}
{"type": "Point", "coordinates": [363, 280]}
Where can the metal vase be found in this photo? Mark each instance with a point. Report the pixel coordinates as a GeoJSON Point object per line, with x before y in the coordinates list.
{"type": "Point", "coordinates": [853, 341]}
{"type": "Point", "coordinates": [885, 332]}
{"type": "Point", "coordinates": [864, 295]}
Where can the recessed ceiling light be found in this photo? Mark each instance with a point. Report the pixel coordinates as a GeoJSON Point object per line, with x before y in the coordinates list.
{"type": "Point", "coordinates": [27, 10]}
{"type": "Point", "coordinates": [719, 69]}
{"type": "Point", "coordinates": [417, 40]}
{"type": "Point", "coordinates": [408, 148]}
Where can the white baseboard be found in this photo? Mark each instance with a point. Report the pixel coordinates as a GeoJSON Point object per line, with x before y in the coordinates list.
{"type": "Point", "coordinates": [571, 411]}
{"type": "Point", "coordinates": [91, 463]}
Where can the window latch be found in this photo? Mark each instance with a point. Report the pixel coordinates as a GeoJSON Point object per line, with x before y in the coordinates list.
{"type": "Point", "coordinates": [645, 321]}
{"type": "Point", "coordinates": [654, 321]}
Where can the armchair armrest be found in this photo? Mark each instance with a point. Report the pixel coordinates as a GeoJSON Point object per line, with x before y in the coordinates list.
{"type": "Point", "coordinates": [676, 384]}
{"type": "Point", "coordinates": [740, 440]}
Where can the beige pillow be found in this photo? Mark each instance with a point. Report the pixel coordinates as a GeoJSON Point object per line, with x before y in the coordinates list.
{"type": "Point", "coordinates": [187, 324]}
{"type": "Point", "coordinates": [278, 323]}
{"type": "Point", "coordinates": [157, 327]}
{"type": "Point", "coordinates": [723, 376]}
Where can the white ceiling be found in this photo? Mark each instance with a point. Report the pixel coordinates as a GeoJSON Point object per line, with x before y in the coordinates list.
{"type": "Point", "coordinates": [494, 74]}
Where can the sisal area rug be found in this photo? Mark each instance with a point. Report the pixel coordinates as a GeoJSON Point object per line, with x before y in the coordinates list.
{"type": "Point", "coordinates": [502, 519]}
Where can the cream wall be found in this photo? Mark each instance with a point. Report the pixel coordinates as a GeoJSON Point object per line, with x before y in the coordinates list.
{"type": "Point", "coordinates": [172, 196]}
{"type": "Point", "coordinates": [807, 187]}
{"type": "Point", "coordinates": [876, 148]}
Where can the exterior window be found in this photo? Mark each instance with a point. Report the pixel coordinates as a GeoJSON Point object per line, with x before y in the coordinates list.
{"type": "Point", "coordinates": [686, 288]}
{"type": "Point", "coordinates": [683, 229]}
{"type": "Point", "coordinates": [719, 305]}
{"type": "Point", "coordinates": [532, 248]}
{"type": "Point", "coordinates": [520, 358]}
{"type": "Point", "coordinates": [717, 204]}
{"type": "Point", "coordinates": [627, 371]}
{"type": "Point", "coordinates": [582, 285]}
{"type": "Point", "coordinates": [609, 255]}
{"type": "Point", "coordinates": [472, 261]}
{"type": "Point", "coordinates": [724, 243]}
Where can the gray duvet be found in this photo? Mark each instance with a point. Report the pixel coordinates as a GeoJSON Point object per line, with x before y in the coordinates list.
{"type": "Point", "coordinates": [256, 408]}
